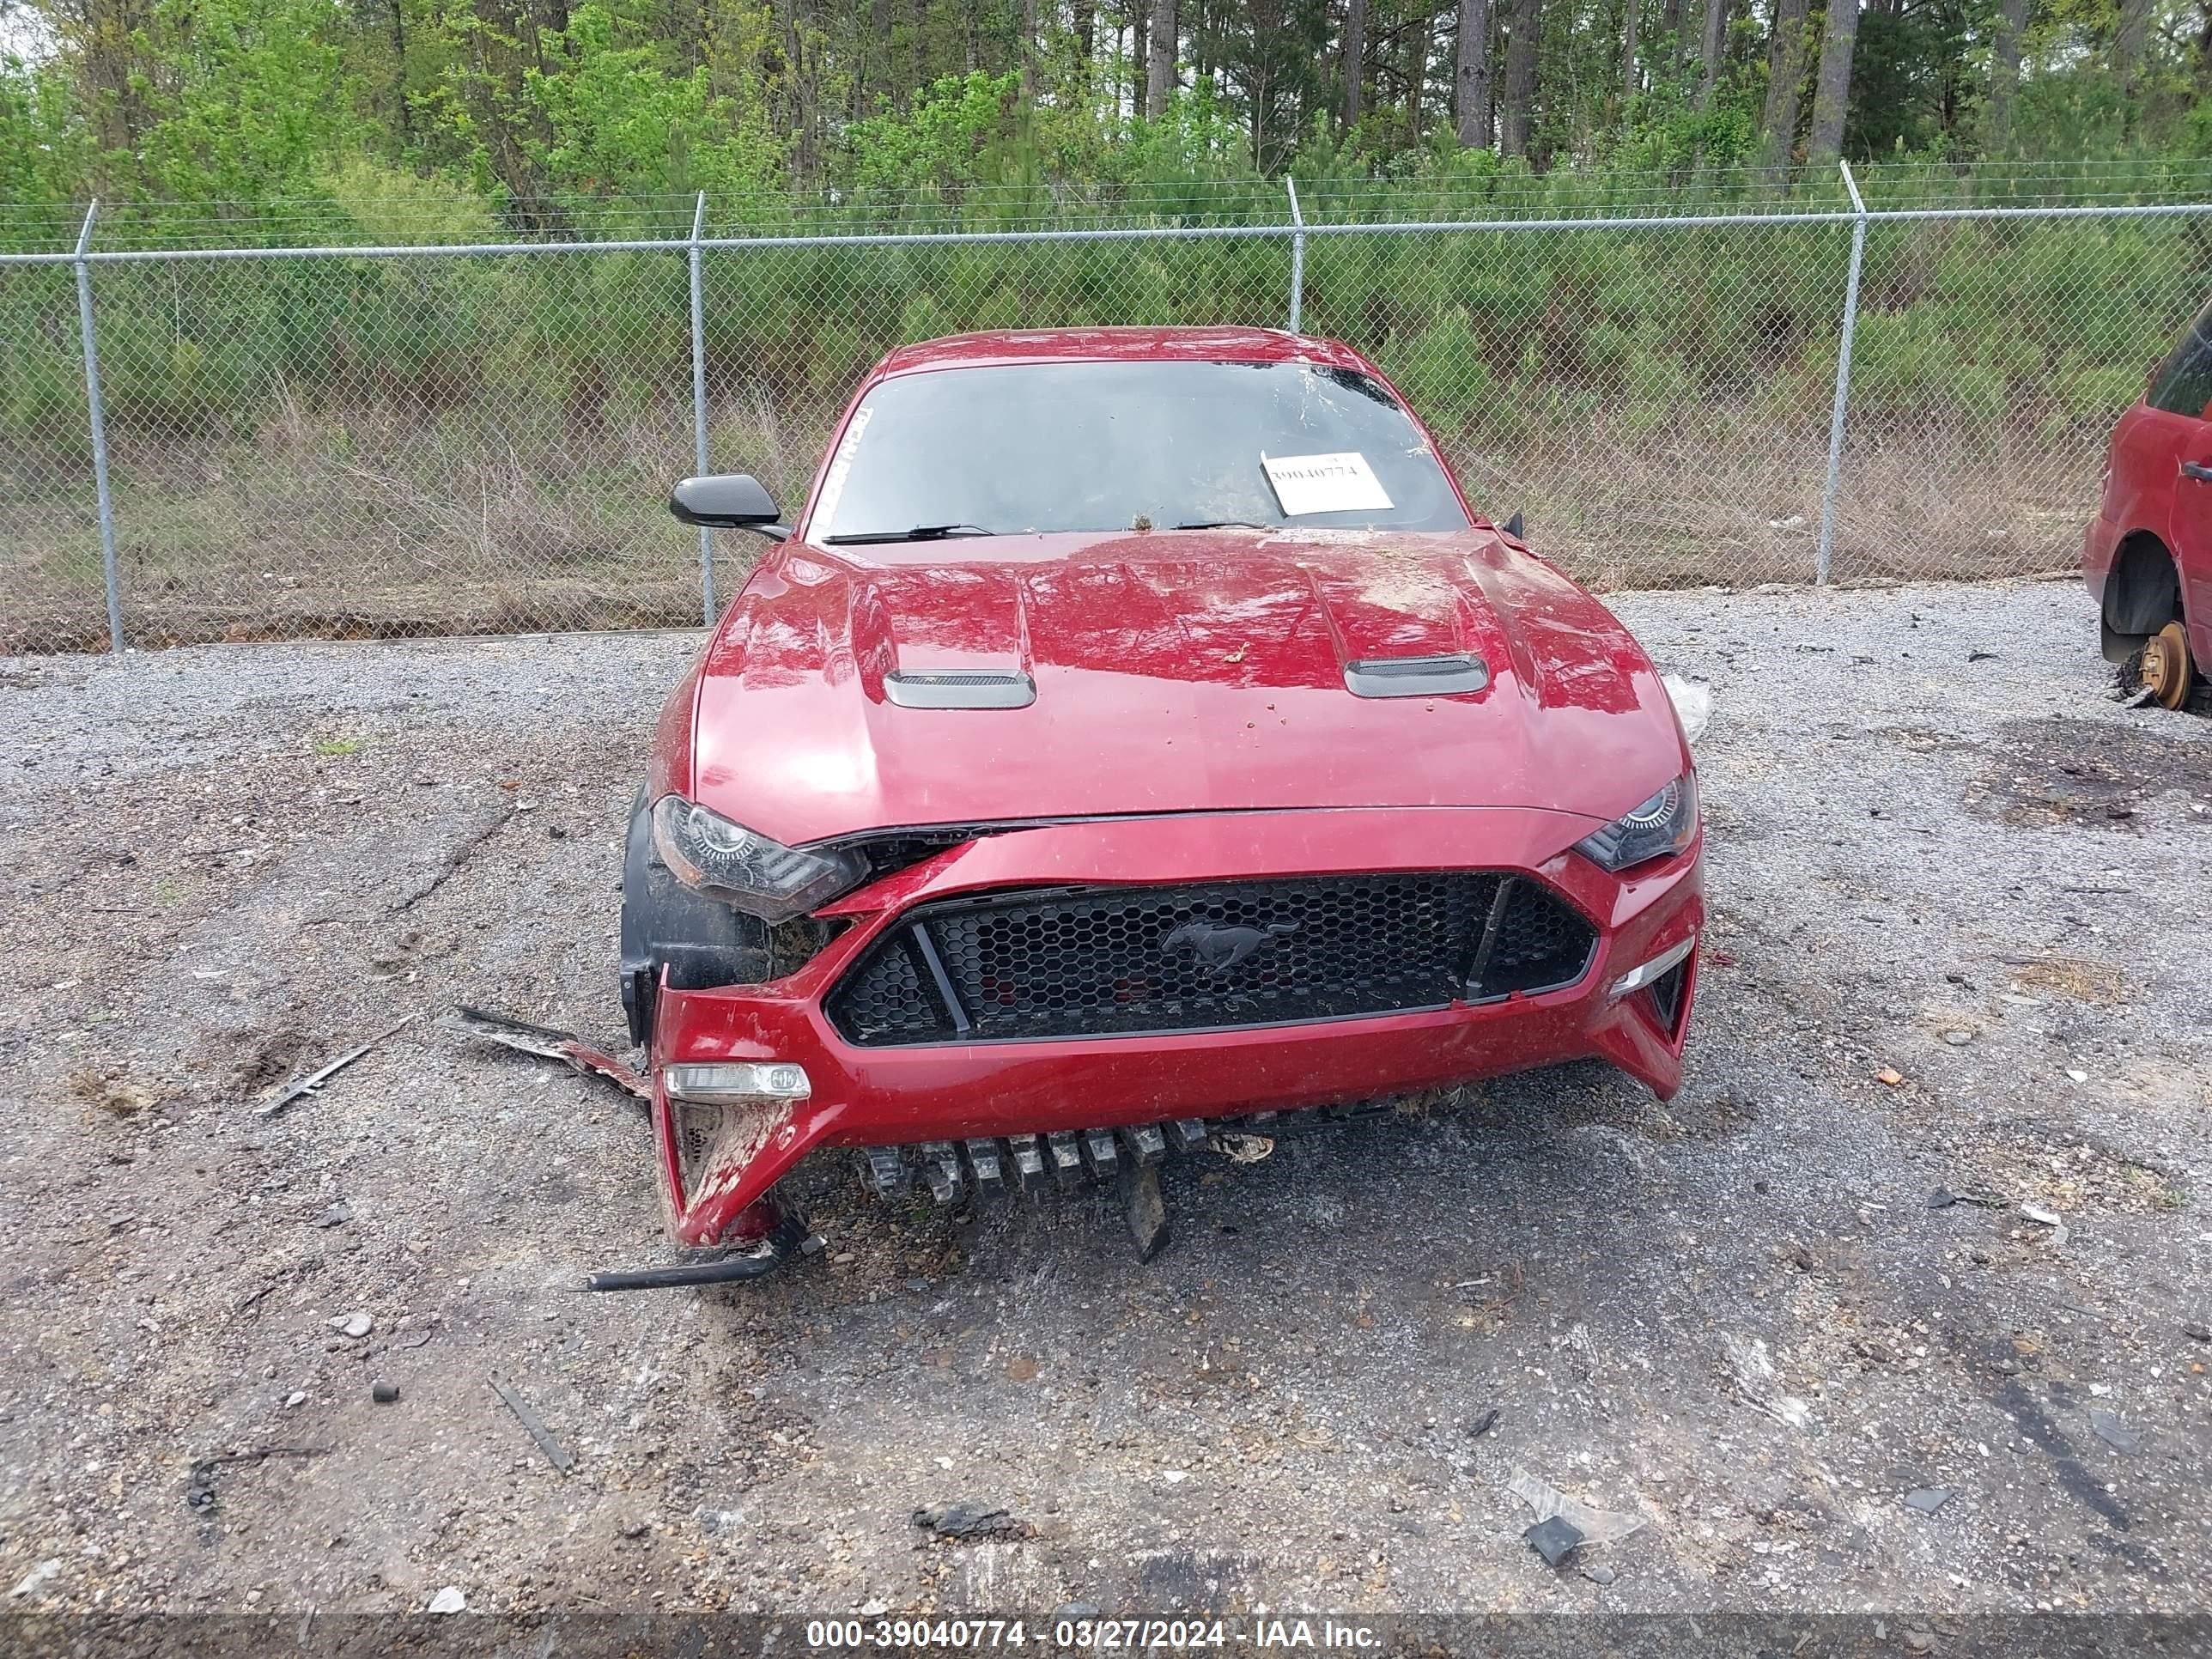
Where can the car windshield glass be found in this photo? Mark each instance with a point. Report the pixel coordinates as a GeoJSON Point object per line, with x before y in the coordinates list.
{"type": "Point", "coordinates": [2183, 383]}
{"type": "Point", "coordinates": [1106, 446]}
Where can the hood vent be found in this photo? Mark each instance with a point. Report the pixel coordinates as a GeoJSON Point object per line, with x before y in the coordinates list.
{"type": "Point", "coordinates": [1416, 676]}
{"type": "Point", "coordinates": [960, 690]}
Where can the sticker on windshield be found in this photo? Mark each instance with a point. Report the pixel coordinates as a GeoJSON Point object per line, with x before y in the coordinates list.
{"type": "Point", "coordinates": [1325, 484]}
{"type": "Point", "coordinates": [840, 467]}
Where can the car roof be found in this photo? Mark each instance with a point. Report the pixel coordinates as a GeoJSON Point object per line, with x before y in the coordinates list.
{"type": "Point", "coordinates": [1149, 345]}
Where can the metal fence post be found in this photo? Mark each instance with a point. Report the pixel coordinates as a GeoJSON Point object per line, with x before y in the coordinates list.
{"type": "Point", "coordinates": [1297, 253]}
{"type": "Point", "coordinates": [1843, 377]}
{"type": "Point", "coordinates": [99, 433]}
{"type": "Point", "coordinates": [699, 411]}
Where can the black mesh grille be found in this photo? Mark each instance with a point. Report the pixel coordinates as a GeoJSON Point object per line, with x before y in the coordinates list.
{"type": "Point", "coordinates": [1106, 960]}
{"type": "Point", "coordinates": [885, 1001]}
{"type": "Point", "coordinates": [1541, 942]}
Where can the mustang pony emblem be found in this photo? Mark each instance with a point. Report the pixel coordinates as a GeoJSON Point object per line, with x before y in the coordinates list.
{"type": "Point", "coordinates": [1219, 949]}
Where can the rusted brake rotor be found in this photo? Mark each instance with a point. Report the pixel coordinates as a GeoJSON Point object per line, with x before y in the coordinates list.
{"type": "Point", "coordinates": [2166, 666]}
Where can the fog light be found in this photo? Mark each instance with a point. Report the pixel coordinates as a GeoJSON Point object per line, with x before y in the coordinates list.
{"type": "Point", "coordinates": [738, 1083]}
{"type": "Point", "coordinates": [1637, 978]}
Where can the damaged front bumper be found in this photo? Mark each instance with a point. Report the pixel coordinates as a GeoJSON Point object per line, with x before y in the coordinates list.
{"type": "Point", "coordinates": [716, 1158]}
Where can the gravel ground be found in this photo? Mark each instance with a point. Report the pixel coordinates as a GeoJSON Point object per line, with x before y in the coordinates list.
{"type": "Point", "coordinates": [1941, 854]}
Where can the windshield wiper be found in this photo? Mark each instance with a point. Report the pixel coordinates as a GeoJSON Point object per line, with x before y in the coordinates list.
{"type": "Point", "coordinates": [920, 532]}
{"type": "Point", "coordinates": [1221, 524]}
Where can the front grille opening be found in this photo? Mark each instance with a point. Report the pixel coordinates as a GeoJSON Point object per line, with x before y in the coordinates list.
{"type": "Point", "coordinates": [1073, 962]}
{"type": "Point", "coordinates": [1666, 998]}
{"type": "Point", "coordinates": [884, 1000]}
{"type": "Point", "coordinates": [792, 944]}
{"type": "Point", "coordinates": [1541, 943]}
{"type": "Point", "coordinates": [696, 1128]}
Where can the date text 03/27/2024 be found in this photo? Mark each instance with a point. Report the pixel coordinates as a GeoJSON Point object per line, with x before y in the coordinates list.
{"type": "Point", "coordinates": [1091, 1635]}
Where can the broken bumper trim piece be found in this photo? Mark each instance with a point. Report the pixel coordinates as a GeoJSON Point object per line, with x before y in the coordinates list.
{"type": "Point", "coordinates": [783, 1239]}
{"type": "Point", "coordinates": [545, 1041]}
{"type": "Point", "coordinates": [946, 1173]}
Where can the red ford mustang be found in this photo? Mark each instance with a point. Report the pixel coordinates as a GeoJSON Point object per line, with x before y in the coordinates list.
{"type": "Point", "coordinates": [1135, 728]}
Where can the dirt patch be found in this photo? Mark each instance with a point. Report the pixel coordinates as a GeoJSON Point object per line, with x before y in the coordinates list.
{"type": "Point", "coordinates": [2068, 976]}
{"type": "Point", "coordinates": [2056, 1167]}
{"type": "Point", "coordinates": [110, 1091]}
{"type": "Point", "coordinates": [2074, 771]}
{"type": "Point", "coordinates": [270, 1057]}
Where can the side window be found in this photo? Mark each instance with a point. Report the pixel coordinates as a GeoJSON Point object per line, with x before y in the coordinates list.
{"type": "Point", "coordinates": [2182, 384]}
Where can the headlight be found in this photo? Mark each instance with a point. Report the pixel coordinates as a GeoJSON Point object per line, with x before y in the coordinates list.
{"type": "Point", "coordinates": [1661, 827]}
{"type": "Point", "coordinates": [724, 860]}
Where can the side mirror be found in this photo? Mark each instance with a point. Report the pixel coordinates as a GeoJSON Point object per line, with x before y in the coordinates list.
{"type": "Point", "coordinates": [1516, 529]}
{"type": "Point", "coordinates": [725, 501]}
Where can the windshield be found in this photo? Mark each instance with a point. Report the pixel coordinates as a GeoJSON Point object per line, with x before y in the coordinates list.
{"type": "Point", "coordinates": [1109, 445]}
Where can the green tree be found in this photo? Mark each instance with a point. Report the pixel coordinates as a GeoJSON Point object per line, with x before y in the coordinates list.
{"type": "Point", "coordinates": [617, 119]}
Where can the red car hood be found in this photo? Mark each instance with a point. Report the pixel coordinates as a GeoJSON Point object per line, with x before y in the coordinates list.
{"type": "Point", "coordinates": [1173, 672]}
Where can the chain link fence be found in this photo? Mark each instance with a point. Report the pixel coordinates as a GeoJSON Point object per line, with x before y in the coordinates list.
{"type": "Point", "coordinates": [417, 438]}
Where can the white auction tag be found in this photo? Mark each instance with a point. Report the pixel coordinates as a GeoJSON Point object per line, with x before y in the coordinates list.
{"type": "Point", "coordinates": [1325, 484]}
